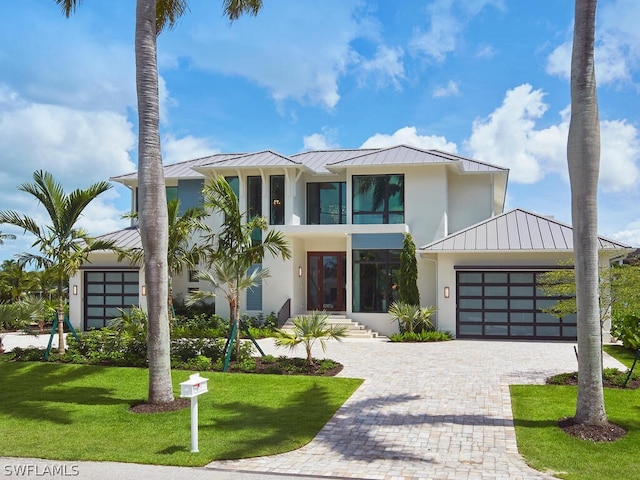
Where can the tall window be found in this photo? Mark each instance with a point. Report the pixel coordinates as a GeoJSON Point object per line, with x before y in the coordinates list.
{"type": "Point", "coordinates": [234, 183]}
{"type": "Point", "coordinates": [375, 279]}
{"type": "Point", "coordinates": [326, 203]}
{"type": "Point", "coordinates": [254, 196]}
{"type": "Point", "coordinates": [254, 203]}
{"type": "Point", "coordinates": [276, 200]}
{"type": "Point", "coordinates": [378, 199]}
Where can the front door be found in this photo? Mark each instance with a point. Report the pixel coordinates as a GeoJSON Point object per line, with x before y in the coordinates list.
{"type": "Point", "coordinates": [326, 281]}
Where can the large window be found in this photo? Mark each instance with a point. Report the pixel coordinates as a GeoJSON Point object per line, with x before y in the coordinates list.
{"type": "Point", "coordinates": [277, 200]}
{"type": "Point", "coordinates": [326, 203]}
{"type": "Point", "coordinates": [375, 279]}
{"type": "Point", "coordinates": [378, 199]}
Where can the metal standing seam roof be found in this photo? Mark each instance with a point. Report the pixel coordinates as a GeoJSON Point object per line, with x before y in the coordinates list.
{"type": "Point", "coordinates": [317, 160]}
{"type": "Point", "coordinates": [516, 230]}
{"type": "Point", "coordinates": [183, 169]}
{"type": "Point", "coordinates": [265, 158]}
{"type": "Point", "coordinates": [409, 155]}
{"type": "Point", "coordinates": [126, 238]}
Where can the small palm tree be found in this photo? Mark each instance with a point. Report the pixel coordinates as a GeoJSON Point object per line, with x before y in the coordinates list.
{"type": "Point", "coordinates": [307, 329]}
{"type": "Point", "coordinates": [412, 318]}
{"type": "Point", "coordinates": [131, 321]}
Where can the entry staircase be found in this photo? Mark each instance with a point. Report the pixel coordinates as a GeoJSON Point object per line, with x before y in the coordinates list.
{"type": "Point", "coordinates": [354, 329]}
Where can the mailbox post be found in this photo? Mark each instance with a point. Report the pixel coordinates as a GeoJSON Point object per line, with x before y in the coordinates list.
{"type": "Point", "coordinates": [193, 388]}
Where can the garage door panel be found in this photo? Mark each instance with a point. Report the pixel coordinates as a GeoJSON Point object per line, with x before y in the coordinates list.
{"type": "Point", "coordinates": [507, 304]}
{"type": "Point", "coordinates": [106, 292]}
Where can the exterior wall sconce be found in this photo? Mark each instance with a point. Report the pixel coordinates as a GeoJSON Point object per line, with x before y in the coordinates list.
{"type": "Point", "coordinates": [75, 289]}
{"type": "Point", "coordinates": [446, 292]}
{"type": "Point", "coordinates": [300, 272]}
{"type": "Point", "coordinates": [144, 290]}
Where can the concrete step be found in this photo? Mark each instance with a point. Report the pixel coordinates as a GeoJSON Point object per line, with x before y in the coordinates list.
{"type": "Point", "coordinates": [354, 329]}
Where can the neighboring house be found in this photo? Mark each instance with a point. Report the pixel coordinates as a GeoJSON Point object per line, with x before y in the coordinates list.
{"type": "Point", "coordinates": [345, 214]}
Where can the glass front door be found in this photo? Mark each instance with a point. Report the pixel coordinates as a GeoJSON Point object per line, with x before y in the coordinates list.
{"type": "Point", "coordinates": [326, 281]}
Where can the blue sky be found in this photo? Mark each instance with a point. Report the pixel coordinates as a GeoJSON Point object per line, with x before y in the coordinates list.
{"type": "Point", "coordinates": [482, 78]}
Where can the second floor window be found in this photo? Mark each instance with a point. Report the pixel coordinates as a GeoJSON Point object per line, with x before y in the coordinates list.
{"type": "Point", "coordinates": [234, 183]}
{"type": "Point", "coordinates": [378, 199]}
{"type": "Point", "coordinates": [326, 203]}
{"type": "Point", "coordinates": [254, 196]}
{"type": "Point", "coordinates": [277, 200]}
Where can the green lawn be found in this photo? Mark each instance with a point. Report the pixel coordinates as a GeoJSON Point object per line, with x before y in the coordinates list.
{"type": "Point", "coordinates": [77, 412]}
{"type": "Point", "coordinates": [536, 410]}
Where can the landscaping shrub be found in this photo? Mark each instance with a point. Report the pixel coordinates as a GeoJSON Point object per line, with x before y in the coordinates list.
{"type": "Point", "coordinates": [424, 336]}
{"type": "Point", "coordinates": [200, 325]}
{"type": "Point", "coordinates": [627, 329]}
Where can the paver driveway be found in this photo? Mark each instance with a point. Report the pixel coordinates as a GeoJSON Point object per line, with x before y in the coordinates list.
{"type": "Point", "coordinates": [431, 410]}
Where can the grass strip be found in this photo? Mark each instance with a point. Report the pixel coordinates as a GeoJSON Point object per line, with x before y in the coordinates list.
{"type": "Point", "coordinates": [80, 412]}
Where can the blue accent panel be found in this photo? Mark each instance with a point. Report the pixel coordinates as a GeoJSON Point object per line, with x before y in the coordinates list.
{"type": "Point", "coordinates": [254, 294]}
{"type": "Point", "coordinates": [190, 194]}
{"type": "Point", "coordinates": [374, 241]}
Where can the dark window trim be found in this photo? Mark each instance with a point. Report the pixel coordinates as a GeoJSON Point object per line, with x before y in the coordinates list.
{"type": "Point", "coordinates": [342, 204]}
{"type": "Point", "coordinates": [385, 212]}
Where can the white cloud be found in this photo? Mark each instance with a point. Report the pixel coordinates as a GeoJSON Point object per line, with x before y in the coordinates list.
{"type": "Point", "coordinates": [617, 45]}
{"type": "Point", "coordinates": [449, 90]}
{"type": "Point", "coordinates": [186, 148]}
{"type": "Point", "coordinates": [409, 136]}
{"type": "Point", "coordinates": [508, 137]}
{"type": "Point", "coordinates": [318, 141]}
{"type": "Point", "coordinates": [629, 235]}
{"type": "Point", "coordinates": [447, 19]}
{"type": "Point", "coordinates": [78, 148]}
{"type": "Point", "coordinates": [303, 61]}
{"type": "Point", "coordinates": [485, 51]}
{"type": "Point", "coordinates": [385, 67]}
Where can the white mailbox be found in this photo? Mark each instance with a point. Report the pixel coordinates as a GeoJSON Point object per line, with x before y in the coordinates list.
{"type": "Point", "coordinates": [193, 388]}
{"type": "Point", "coordinates": [196, 385]}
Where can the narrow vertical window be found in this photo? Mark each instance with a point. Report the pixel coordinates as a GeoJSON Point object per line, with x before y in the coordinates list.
{"type": "Point", "coordinates": [277, 200]}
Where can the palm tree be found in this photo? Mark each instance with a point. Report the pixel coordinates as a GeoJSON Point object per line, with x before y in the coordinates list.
{"type": "Point", "coordinates": [234, 246]}
{"type": "Point", "coordinates": [152, 17]}
{"type": "Point", "coordinates": [307, 329]}
{"type": "Point", "coordinates": [181, 251]}
{"type": "Point", "coordinates": [63, 247]}
{"type": "Point", "coordinates": [16, 280]}
{"type": "Point", "coordinates": [583, 155]}
{"type": "Point", "coordinates": [6, 236]}
{"type": "Point", "coordinates": [223, 276]}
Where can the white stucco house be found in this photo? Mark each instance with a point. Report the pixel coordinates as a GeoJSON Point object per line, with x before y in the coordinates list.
{"type": "Point", "coordinates": [345, 214]}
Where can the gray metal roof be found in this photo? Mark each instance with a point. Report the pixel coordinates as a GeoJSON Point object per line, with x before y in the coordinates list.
{"type": "Point", "coordinates": [512, 231]}
{"type": "Point", "coordinates": [409, 155]}
{"type": "Point", "coordinates": [126, 238]}
{"type": "Point", "coordinates": [182, 170]}
{"type": "Point", "coordinates": [266, 158]}
{"type": "Point", "coordinates": [317, 160]}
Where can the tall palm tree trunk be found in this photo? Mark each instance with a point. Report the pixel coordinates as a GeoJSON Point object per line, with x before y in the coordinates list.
{"type": "Point", "coordinates": [583, 154]}
{"type": "Point", "coordinates": [153, 204]}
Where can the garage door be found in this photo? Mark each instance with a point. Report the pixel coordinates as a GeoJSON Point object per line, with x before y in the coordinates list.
{"type": "Point", "coordinates": [507, 304]}
{"type": "Point", "coordinates": [105, 292]}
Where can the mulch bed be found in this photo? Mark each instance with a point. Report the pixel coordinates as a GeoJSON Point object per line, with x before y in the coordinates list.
{"type": "Point", "coordinates": [280, 366]}
{"type": "Point", "coordinates": [177, 404]}
{"type": "Point", "coordinates": [596, 433]}
{"type": "Point", "coordinates": [610, 432]}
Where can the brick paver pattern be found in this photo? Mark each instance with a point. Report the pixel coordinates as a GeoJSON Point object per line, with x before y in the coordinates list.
{"type": "Point", "coordinates": [425, 411]}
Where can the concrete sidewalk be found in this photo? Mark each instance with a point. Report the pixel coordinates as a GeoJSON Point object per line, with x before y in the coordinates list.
{"type": "Point", "coordinates": [425, 411]}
